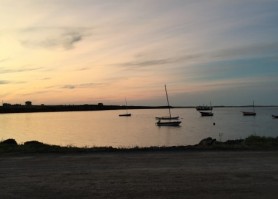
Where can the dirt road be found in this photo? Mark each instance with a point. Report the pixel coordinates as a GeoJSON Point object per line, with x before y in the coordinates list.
{"type": "Point", "coordinates": [141, 175]}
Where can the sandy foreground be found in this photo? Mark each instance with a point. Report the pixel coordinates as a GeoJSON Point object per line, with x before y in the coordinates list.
{"type": "Point", "coordinates": [184, 174]}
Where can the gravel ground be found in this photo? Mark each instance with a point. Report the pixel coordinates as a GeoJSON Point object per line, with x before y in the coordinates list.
{"type": "Point", "coordinates": [187, 174]}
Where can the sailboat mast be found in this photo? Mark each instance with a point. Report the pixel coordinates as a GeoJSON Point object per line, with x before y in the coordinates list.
{"type": "Point", "coordinates": [168, 101]}
{"type": "Point", "coordinates": [126, 105]}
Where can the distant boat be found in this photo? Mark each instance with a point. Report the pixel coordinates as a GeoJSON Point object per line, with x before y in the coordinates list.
{"type": "Point", "coordinates": [204, 113]}
{"type": "Point", "coordinates": [172, 121]}
{"type": "Point", "coordinates": [275, 116]}
{"type": "Point", "coordinates": [125, 114]}
{"type": "Point", "coordinates": [167, 118]}
{"type": "Point", "coordinates": [168, 123]}
{"type": "Point", "coordinates": [246, 113]}
{"type": "Point", "coordinates": [250, 113]}
{"type": "Point", "coordinates": [204, 108]}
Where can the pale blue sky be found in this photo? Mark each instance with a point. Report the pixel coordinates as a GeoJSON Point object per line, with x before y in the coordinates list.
{"type": "Point", "coordinates": [90, 51]}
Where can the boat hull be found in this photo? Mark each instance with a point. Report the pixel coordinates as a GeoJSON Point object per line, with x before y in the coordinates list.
{"type": "Point", "coordinates": [206, 114]}
{"type": "Point", "coordinates": [125, 115]}
{"type": "Point", "coordinates": [169, 123]}
{"type": "Point", "coordinates": [248, 113]}
{"type": "Point", "coordinates": [167, 118]}
{"type": "Point", "coordinates": [275, 116]}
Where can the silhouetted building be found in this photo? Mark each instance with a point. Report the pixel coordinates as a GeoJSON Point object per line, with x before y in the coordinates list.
{"type": "Point", "coordinates": [6, 105]}
{"type": "Point", "coordinates": [28, 103]}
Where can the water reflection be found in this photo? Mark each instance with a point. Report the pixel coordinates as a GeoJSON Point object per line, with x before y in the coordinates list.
{"type": "Point", "coordinates": [106, 128]}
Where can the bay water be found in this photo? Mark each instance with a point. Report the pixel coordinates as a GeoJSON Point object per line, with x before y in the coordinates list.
{"type": "Point", "coordinates": [106, 128]}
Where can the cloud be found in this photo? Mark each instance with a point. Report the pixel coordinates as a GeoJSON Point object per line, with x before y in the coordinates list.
{"type": "Point", "coordinates": [69, 87]}
{"type": "Point", "coordinates": [45, 78]}
{"type": "Point", "coordinates": [85, 85]}
{"type": "Point", "coordinates": [254, 50]}
{"type": "Point", "coordinates": [39, 92]}
{"type": "Point", "coordinates": [3, 60]}
{"type": "Point", "coordinates": [4, 82]}
{"type": "Point", "coordinates": [5, 70]}
{"type": "Point", "coordinates": [146, 62]}
{"type": "Point", "coordinates": [53, 37]}
{"type": "Point", "coordinates": [82, 69]}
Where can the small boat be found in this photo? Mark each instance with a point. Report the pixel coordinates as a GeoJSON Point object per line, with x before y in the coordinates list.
{"type": "Point", "coordinates": [275, 116]}
{"type": "Point", "coordinates": [167, 118]}
{"type": "Point", "coordinates": [205, 113]}
{"type": "Point", "coordinates": [171, 121]}
{"type": "Point", "coordinates": [125, 114]}
{"type": "Point", "coordinates": [204, 108]}
{"type": "Point", "coordinates": [250, 113]}
{"type": "Point", "coordinates": [168, 123]}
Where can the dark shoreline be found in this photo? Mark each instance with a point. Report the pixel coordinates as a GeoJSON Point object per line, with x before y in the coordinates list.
{"type": "Point", "coordinates": [68, 108]}
{"type": "Point", "coordinates": [253, 143]}
{"type": "Point", "coordinates": [18, 108]}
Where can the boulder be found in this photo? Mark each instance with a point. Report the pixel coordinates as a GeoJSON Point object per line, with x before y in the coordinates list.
{"type": "Point", "coordinates": [207, 141]}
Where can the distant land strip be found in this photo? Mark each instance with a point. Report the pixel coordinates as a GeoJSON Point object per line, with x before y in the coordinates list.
{"type": "Point", "coordinates": [29, 108]}
{"type": "Point", "coordinates": [62, 108]}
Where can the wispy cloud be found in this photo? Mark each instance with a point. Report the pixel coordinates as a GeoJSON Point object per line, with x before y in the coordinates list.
{"type": "Point", "coordinates": [53, 37]}
{"type": "Point", "coordinates": [83, 69]}
{"type": "Point", "coordinates": [247, 51]}
{"type": "Point", "coordinates": [69, 86]}
{"type": "Point", "coordinates": [4, 82]}
{"type": "Point", "coordinates": [85, 85]}
{"type": "Point", "coordinates": [142, 62]}
{"type": "Point", "coordinates": [3, 60]}
{"type": "Point", "coordinates": [40, 92]}
{"type": "Point", "coordinates": [46, 78]}
{"type": "Point", "coordinates": [20, 70]}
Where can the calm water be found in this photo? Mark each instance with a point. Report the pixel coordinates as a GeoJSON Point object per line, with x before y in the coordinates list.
{"type": "Point", "coordinates": [105, 128]}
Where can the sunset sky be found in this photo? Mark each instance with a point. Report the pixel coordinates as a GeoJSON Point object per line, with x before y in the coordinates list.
{"type": "Point", "coordinates": [91, 51]}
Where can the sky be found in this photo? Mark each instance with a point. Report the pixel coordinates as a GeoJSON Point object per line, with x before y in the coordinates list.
{"type": "Point", "coordinates": [90, 51]}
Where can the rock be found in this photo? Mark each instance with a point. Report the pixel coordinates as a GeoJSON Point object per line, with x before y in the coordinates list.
{"type": "Point", "coordinates": [34, 143]}
{"type": "Point", "coordinates": [207, 141]}
{"type": "Point", "coordinates": [10, 142]}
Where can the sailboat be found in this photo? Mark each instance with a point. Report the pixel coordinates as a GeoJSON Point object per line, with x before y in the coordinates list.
{"type": "Point", "coordinates": [249, 113]}
{"type": "Point", "coordinates": [205, 113]}
{"type": "Point", "coordinates": [125, 114]}
{"type": "Point", "coordinates": [171, 121]}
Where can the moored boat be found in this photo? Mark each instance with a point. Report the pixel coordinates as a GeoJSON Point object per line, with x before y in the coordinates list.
{"type": "Point", "coordinates": [167, 118]}
{"type": "Point", "coordinates": [248, 113]}
{"type": "Point", "coordinates": [168, 123]}
{"type": "Point", "coordinates": [125, 115]}
{"type": "Point", "coordinates": [204, 113]}
{"type": "Point", "coordinates": [275, 116]}
{"type": "Point", "coordinates": [172, 121]}
{"type": "Point", "coordinates": [204, 108]}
